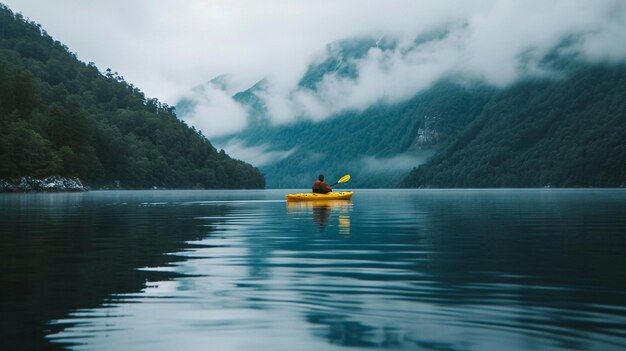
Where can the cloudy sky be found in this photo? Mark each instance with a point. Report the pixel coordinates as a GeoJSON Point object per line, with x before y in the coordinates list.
{"type": "Point", "coordinates": [167, 48]}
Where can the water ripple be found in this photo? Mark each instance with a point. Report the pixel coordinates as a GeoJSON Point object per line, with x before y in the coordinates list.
{"type": "Point", "coordinates": [464, 270]}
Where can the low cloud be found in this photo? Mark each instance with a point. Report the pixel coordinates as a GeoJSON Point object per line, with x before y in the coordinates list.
{"type": "Point", "coordinates": [497, 46]}
{"type": "Point", "coordinates": [394, 164]}
{"type": "Point", "coordinates": [258, 155]}
{"type": "Point", "coordinates": [496, 43]}
{"type": "Point", "coordinates": [169, 47]}
{"type": "Point", "coordinates": [214, 99]}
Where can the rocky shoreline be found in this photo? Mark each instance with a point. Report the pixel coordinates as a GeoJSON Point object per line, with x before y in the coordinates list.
{"type": "Point", "coordinates": [49, 184]}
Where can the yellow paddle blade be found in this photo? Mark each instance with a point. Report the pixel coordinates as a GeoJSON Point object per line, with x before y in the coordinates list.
{"type": "Point", "coordinates": [344, 179]}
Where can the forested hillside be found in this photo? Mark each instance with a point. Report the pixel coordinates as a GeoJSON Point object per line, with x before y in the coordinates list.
{"type": "Point", "coordinates": [59, 116]}
{"type": "Point", "coordinates": [561, 133]}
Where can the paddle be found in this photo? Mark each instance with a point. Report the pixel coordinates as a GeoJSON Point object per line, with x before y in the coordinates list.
{"type": "Point", "coordinates": [343, 179]}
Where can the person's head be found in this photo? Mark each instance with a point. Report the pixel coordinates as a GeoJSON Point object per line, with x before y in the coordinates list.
{"type": "Point", "coordinates": [321, 178]}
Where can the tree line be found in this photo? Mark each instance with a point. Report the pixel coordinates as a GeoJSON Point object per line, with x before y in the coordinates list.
{"type": "Point", "coordinates": [559, 133]}
{"type": "Point", "coordinates": [60, 116]}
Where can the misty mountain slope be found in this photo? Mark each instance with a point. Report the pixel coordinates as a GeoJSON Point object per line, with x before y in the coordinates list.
{"type": "Point", "coordinates": [59, 116]}
{"type": "Point", "coordinates": [378, 107]}
{"type": "Point", "coordinates": [377, 146]}
{"type": "Point", "coordinates": [338, 61]}
{"type": "Point", "coordinates": [562, 133]}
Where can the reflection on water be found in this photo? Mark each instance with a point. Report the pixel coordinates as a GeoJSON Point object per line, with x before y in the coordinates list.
{"type": "Point", "coordinates": [425, 270]}
{"type": "Point", "coordinates": [321, 212]}
{"type": "Point", "coordinates": [344, 224]}
{"type": "Point", "coordinates": [68, 251]}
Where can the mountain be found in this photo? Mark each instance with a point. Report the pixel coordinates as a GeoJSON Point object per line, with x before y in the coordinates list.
{"type": "Point", "coordinates": [60, 116]}
{"type": "Point", "coordinates": [562, 127]}
{"type": "Point", "coordinates": [378, 145]}
{"type": "Point", "coordinates": [568, 132]}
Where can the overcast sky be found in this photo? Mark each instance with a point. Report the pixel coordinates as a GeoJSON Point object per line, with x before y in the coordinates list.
{"type": "Point", "coordinates": [166, 48]}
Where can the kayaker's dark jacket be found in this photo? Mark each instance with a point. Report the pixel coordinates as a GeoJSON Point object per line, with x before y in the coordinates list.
{"type": "Point", "coordinates": [321, 187]}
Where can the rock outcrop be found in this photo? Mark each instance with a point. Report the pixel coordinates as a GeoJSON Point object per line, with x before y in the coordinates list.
{"type": "Point", "coordinates": [50, 184]}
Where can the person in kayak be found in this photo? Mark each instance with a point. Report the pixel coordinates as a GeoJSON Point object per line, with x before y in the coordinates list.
{"type": "Point", "coordinates": [320, 186]}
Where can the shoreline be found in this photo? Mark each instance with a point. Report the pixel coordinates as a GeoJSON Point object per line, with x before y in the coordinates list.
{"type": "Point", "coordinates": [28, 184]}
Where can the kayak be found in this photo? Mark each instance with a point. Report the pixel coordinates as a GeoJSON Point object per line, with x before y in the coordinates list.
{"type": "Point", "coordinates": [341, 195]}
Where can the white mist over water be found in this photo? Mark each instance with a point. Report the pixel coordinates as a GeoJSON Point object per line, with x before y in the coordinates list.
{"type": "Point", "coordinates": [394, 164]}
{"type": "Point", "coordinates": [258, 155]}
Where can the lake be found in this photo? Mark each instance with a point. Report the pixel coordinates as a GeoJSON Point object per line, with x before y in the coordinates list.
{"type": "Point", "coordinates": [439, 270]}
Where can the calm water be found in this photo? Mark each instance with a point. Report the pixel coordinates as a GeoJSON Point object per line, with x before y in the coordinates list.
{"type": "Point", "coordinates": [243, 270]}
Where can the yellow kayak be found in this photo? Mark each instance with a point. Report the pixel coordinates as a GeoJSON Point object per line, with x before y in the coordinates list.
{"type": "Point", "coordinates": [341, 195]}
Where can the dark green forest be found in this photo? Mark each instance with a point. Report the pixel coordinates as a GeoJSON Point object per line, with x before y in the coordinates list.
{"type": "Point", "coordinates": [60, 116]}
{"type": "Point", "coordinates": [560, 133]}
